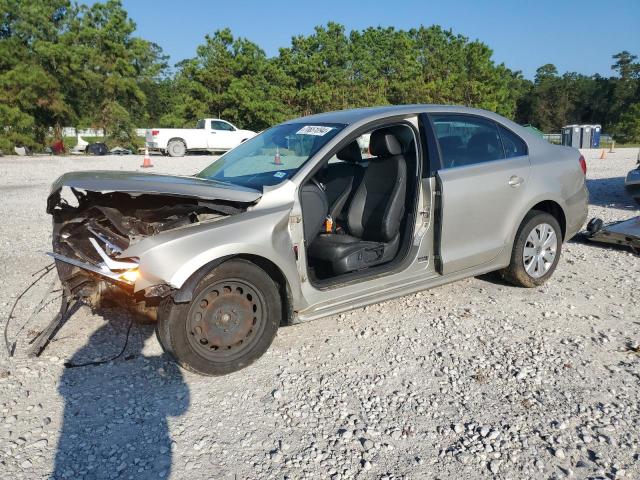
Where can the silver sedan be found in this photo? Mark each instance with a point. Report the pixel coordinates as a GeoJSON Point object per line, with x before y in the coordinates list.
{"type": "Point", "coordinates": [317, 216]}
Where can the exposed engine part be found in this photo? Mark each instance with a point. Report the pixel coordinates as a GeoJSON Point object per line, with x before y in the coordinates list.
{"type": "Point", "coordinates": [91, 230]}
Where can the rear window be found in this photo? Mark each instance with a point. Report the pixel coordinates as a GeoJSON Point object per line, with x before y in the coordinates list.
{"type": "Point", "coordinates": [514, 146]}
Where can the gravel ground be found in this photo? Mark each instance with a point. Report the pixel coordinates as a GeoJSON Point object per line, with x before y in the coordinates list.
{"type": "Point", "coordinates": [475, 379]}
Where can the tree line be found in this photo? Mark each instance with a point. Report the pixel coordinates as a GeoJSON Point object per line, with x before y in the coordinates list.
{"type": "Point", "coordinates": [65, 64]}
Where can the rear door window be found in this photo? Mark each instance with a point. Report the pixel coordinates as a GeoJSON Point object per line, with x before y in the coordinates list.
{"type": "Point", "coordinates": [466, 140]}
{"type": "Point", "coordinates": [514, 146]}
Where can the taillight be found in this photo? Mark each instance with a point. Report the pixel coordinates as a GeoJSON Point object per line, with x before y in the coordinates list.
{"type": "Point", "coordinates": [154, 132]}
{"type": "Point", "coordinates": [583, 164]}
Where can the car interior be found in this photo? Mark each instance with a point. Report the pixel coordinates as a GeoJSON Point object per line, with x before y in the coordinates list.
{"type": "Point", "coordinates": [481, 145]}
{"type": "Point", "coordinates": [355, 209]}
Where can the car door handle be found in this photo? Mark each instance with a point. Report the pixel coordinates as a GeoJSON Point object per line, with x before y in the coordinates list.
{"type": "Point", "coordinates": [213, 132]}
{"type": "Point", "coordinates": [516, 181]}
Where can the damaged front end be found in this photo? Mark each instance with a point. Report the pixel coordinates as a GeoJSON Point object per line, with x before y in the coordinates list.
{"type": "Point", "coordinates": [97, 216]}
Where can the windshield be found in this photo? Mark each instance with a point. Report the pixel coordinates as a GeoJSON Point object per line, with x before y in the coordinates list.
{"type": "Point", "coordinates": [273, 156]}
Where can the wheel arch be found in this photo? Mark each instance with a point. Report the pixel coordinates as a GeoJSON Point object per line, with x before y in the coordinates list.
{"type": "Point", "coordinates": [179, 139]}
{"type": "Point", "coordinates": [554, 209]}
{"type": "Point", "coordinates": [544, 204]}
{"type": "Point", "coordinates": [185, 293]}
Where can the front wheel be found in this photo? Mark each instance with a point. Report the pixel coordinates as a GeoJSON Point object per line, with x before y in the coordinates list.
{"type": "Point", "coordinates": [230, 322]}
{"type": "Point", "coordinates": [536, 250]}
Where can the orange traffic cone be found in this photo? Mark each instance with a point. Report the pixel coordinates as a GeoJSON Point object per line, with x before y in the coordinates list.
{"type": "Point", "coordinates": [603, 155]}
{"type": "Point", "coordinates": [276, 159]}
{"type": "Point", "coordinates": [146, 163]}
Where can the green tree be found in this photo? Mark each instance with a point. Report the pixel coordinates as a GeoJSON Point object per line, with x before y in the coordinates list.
{"type": "Point", "coordinates": [551, 103]}
{"type": "Point", "coordinates": [628, 127]}
{"type": "Point", "coordinates": [64, 64]}
{"type": "Point", "coordinates": [625, 96]}
{"type": "Point", "coordinates": [230, 78]}
{"type": "Point", "coordinates": [110, 69]}
{"type": "Point", "coordinates": [30, 93]}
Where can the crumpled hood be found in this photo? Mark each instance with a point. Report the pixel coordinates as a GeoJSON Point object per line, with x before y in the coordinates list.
{"type": "Point", "coordinates": [151, 183]}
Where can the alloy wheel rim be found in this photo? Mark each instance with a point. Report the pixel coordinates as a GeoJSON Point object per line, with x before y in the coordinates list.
{"type": "Point", "coordinates": [540, 250]}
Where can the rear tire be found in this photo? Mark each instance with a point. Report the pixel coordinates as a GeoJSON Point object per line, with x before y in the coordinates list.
{"type": "Point", "coordinates": [176, 148]}
{"type": "Point", "coordinates": [231, 321]}
{"type": "Point", "coordinates": [540, 234]}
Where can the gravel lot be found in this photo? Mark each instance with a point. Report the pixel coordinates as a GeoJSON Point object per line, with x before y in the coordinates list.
{"type": "Point", "coordinates": [475, 379]}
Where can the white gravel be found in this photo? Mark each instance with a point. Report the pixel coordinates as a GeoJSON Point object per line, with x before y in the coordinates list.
{"type": "Point", "coordinates": [475, 379]}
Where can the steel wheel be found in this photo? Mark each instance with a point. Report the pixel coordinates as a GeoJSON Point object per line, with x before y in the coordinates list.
{"type": "Point", "coordinates": [539, 251]}
{"type": "Point", "coordinates": [225, 319]}
{"type": "Point", "coordinates": [230, 322]}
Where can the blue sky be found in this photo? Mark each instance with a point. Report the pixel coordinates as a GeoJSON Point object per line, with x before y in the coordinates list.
{"type": "Point", "coordinates": [575, 35]}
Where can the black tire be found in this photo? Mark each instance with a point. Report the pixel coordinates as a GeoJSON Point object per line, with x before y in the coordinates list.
{"type": "Point", "coordinates": [595, 225]}
{"type": "Point", "coordinates": [516, 273]}
{"type": "Point", "coordinates": [176, 148]}
{"type": "Point", "coordinates": [230, 323]}
{"type": "Point", "coordinates": [162, 332]}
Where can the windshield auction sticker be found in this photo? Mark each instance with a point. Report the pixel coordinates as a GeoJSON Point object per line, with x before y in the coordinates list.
{"type": "Point", "coordinates": [314, 130]}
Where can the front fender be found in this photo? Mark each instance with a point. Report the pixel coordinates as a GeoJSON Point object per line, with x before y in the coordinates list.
{"type": "Point", "coordinates": [173, 256]}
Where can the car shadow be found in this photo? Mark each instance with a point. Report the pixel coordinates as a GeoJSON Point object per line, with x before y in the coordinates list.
{"type": "Point", "coordinates": [610, 192]}
{"type": "Point", "coordinates": [115, 422]}
{"type": "Point", "coordinates": [495, 278]}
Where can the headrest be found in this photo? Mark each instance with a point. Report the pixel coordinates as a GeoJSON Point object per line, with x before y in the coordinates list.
{"type": "Point", "coordinates": [482, 140]}
{"type": "Point", "coordinates": [350, 153]}
{"type": "Point", "coordinates": [383, 143]}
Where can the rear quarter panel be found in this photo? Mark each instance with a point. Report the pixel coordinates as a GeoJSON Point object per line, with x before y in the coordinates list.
{"type": "Point", "coordinates": [556, 175]}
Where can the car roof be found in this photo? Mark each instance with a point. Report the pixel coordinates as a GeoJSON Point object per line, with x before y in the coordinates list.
{"type": "Point", "coordinates": [364, 115]}
{"type": "Point", "coordinates": [356, 115]}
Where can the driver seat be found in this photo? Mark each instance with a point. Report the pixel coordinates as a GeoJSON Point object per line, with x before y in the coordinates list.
{"type": "Point", "coordinates": [374, 214]}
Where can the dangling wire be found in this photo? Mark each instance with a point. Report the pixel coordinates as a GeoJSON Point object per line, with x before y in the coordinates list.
{"type": "Point", "coordinates": [41, 305]}
{"type": "Point", "coordinates": [105, 360]}
{"type": "Point", "coordinates": [45, 271]}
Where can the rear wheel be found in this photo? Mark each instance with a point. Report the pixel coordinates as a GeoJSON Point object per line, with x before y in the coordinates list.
{"type": "Point", "coordinates": [176, 148]}
{"type": "Point", "coordinates": [536, 250]}
{"type": "Point", "coordinates": [230, 322]}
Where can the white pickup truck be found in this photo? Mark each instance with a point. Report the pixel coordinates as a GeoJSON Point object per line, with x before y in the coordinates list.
{"type": "Point", "coordinates": [210, 134]}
